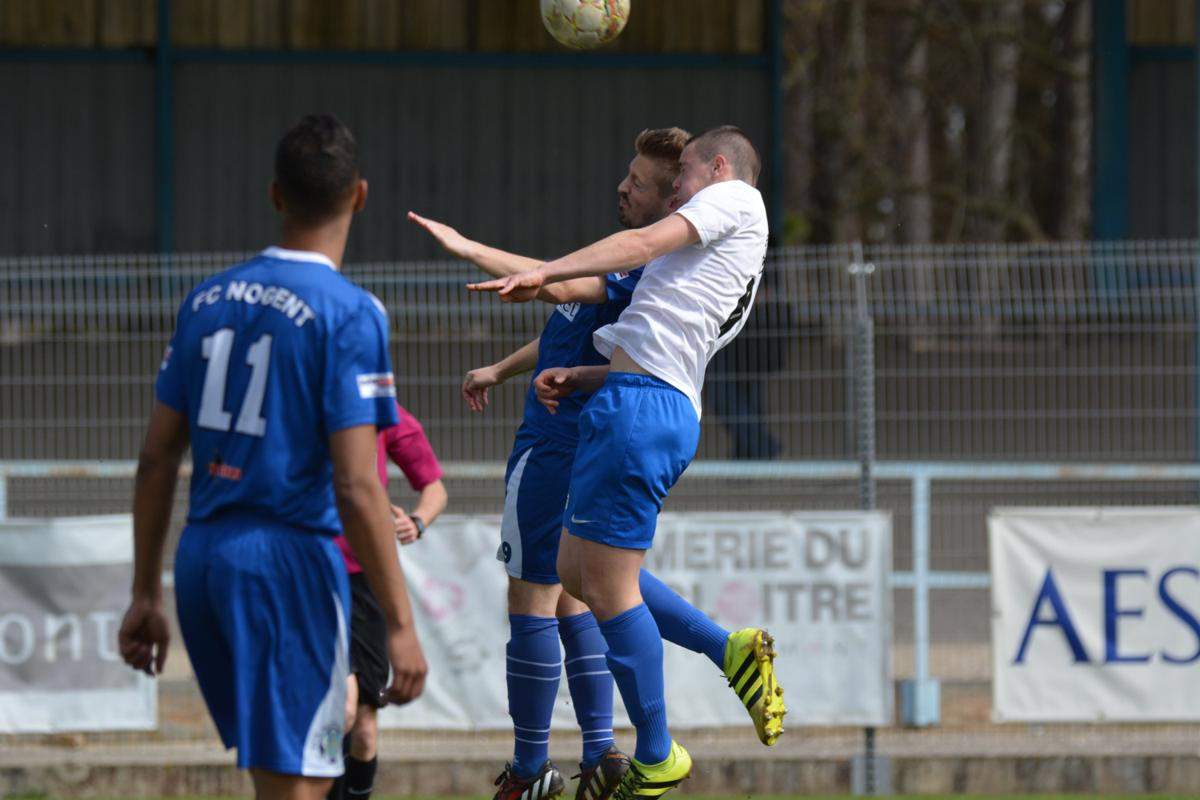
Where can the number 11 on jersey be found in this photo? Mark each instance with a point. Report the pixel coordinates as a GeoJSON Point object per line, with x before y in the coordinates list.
{"type": "Point", "coordinates": [216, 349]}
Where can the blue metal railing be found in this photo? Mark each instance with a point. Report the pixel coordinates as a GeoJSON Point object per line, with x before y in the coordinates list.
{"type": "Point", "coordinates": [921, 476]}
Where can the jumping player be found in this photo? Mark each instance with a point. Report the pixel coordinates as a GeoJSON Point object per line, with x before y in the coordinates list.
{"type": "Point", "coordinates": [278, 375]}
{"type": "Point", "coordinates": [536, 483]}
{"type": "Point", "coordinates": [406, 446]}
{"type": "Point", "coordinates": [705, 262]}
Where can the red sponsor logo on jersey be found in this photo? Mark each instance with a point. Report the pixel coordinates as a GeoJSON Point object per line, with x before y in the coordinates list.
{"type": "Point", "coordinates": [229, 473]}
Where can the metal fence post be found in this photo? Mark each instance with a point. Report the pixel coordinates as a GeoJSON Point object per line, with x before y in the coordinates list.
{"type": "Point", "coordinates": [920, 698]}
{"type": "Point", "coordinates": [864, 380]}
{"type": "Point", "coordinates": [863, 366]}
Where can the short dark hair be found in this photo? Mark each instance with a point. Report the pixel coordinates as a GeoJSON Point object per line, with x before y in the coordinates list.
{"type": "Point", "coordinates": [316, 167]}
{"type": "Point", "coordinates": [733, 143]}
{"type": "Point", "coordinates": [663, 145]}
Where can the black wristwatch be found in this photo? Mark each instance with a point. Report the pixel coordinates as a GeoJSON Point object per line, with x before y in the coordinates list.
{"type": "Point", "coordinates": [420, 523]}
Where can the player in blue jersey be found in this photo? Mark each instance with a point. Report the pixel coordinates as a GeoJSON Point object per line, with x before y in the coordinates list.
{"type": "Point", "coordinates": [537, 478]}
{"type": "Point", "coordinates": [278, 376]}
{"type": "Point", "coordinates": [703, 264]}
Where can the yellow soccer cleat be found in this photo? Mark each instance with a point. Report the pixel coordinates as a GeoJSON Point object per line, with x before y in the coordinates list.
{"type": "Point", "coordinates": [749, 668]}
{"type": "Point", "coordinates": [654, 780]}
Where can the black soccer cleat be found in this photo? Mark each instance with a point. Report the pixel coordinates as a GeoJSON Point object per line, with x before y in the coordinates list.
{"type": "Point", "coordinates": [545, 785]}
{"type": "Point", "coordinates": [600, 781]}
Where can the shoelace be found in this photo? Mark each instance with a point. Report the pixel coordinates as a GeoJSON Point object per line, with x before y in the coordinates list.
{"type": "Point", "coordinates": [628, 788]}
{"type": "Point", "coordinates": [586, 781]}
{"type": "Point", "coordinates": [507, 771]}
{"type": "Point", "coordinates": [592, 770]}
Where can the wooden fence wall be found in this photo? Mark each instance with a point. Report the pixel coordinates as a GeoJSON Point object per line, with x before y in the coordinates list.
{"type": "Point", "coordinates": [697, 26]}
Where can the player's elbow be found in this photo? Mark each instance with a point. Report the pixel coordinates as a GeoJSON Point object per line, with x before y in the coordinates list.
{"type": "Point", "coordinates": [158, 457]}
{"type": "Point", "coordinates": [355, 490]}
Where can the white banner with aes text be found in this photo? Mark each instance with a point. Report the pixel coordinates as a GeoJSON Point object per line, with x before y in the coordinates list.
{"type": "Point", "coordinates": [1095, 614]}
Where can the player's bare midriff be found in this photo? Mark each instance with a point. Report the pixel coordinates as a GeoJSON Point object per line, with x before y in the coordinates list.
{"type": "Point", "coordinates": [621, 362]}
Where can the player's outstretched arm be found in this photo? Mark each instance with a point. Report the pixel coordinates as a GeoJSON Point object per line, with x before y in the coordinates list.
{"type": "Point", "coordinates": [501, 263]}
{"type": "Point", "coordinates": [478, 381]}
{"type": "Point", "coordinates": [144, 634]}
{"type": "Point", "coordinates": [495, 262]}
{"type": "Point", "coordinates": [590, 290]}
{"type": "Point", "coordinates": [366, 518]}
{"type": "Point", "coordinates": [620, 251]}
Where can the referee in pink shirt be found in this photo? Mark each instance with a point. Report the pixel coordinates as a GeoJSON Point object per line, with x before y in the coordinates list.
{"type": "Point", "coordinates": [408, 448]}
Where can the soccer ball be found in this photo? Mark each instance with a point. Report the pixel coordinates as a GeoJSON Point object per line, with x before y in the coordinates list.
{"type": "Point", "coordinates": [584, 24]}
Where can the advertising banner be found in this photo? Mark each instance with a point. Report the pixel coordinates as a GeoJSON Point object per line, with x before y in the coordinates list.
{"type": "Point", "coordinates": [1095, 614]}
{"type": "Point", "coordinates": [64, 584]}
{"type": "Point", "coordinates": [817, 581]}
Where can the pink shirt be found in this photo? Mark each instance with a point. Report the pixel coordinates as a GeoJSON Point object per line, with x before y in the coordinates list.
{"type": "Point", "coordinates": [405, 444]}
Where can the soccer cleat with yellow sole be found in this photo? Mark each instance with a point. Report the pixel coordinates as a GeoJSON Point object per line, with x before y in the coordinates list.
{"type": "Point", "coordinates": [750, 671]}
{"type": "Point", "coordinates": [654, 780]}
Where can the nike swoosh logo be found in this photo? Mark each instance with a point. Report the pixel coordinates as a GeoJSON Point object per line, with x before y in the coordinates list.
{"type": "Point", "coordinates": [581, 521]}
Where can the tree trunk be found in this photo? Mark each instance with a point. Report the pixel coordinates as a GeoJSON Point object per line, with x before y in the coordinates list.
{"type": "Point", "coordinates": [1073, 125]}
{"type": "Point", "coordinates": [801, 51]}
{"type": "Point", "coordinates": [829, 145]}
{"type": "Point", "coordinates": [848, 217]}
{"type": "Point", "coordinates": [994, 129]}
{"type": "Point", "coordinates": [914, 206]}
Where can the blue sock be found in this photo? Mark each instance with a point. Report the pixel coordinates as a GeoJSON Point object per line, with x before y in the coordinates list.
{"type": "Point", "coordinates": [682, 623]}
{"type": "Point", "coordinates": [590, 682]}
{"type": "Point", "coordinates": [534, 666]}
{"type": "Point", "coordinates": [635, 657]}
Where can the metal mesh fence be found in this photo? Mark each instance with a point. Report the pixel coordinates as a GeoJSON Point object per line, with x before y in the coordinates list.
{"type": "Point", "coordinates": [1065, 352]}
{"type": "Point", "coordinates": [81, 338]}
{"type": "Point", "coordinates": [1050, 353]}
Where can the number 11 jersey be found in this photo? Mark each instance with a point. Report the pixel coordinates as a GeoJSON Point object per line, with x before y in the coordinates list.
{"type": "Point", "coordinates": [268, 359]}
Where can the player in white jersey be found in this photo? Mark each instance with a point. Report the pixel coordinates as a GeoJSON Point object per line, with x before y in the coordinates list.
{"type": "Point", "coordinates": [641, 428]}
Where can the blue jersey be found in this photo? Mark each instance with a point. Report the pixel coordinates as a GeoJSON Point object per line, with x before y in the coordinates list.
{"type": "Point", "coordinates": [566, 341]}
{"type": "Point", "coordinates": [268, 359]}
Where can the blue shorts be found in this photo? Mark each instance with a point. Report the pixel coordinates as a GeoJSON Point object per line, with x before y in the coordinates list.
{"type": "Point", "coordinates": [535, 493]}
{"type": "Point", "coordinates": [264, 611]}
{"type": "Point", "coordinates": [636, 437]}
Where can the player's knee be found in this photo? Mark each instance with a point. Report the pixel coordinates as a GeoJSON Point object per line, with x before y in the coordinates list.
{"type": "Point", "coordinates": [571, 584]}
{"type": "Point", "coordinates": [568, 573]}
{"type": "Point", "coordinates": [594, 594]}
{"type": "Point", "coordinates": [534, 599]}
{"type": "Point", "coordinates": [351, 710]}
{"type": "Point", "coordinates": [569, 606]}
{"type": "Point", "coordinates": [364, 734]}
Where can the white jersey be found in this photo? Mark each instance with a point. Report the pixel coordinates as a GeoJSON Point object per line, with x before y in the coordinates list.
{"type": "Point", "coordinates": [692, 302]}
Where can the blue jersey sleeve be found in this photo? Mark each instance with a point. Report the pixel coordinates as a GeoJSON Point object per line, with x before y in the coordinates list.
{"type": "Point", "coordinates": [620, 285]}
{"type": "Point", "coordinates": [169, 388]}
{"type": "Point", "coordinates": [360, 388]}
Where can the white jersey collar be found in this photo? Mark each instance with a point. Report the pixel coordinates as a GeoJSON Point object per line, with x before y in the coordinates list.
{"type": "Point", "coordinates": [299, 255]}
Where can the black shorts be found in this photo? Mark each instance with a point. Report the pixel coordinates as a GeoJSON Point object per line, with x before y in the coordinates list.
{"type": "Point", "coordinates": [368, 644]}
